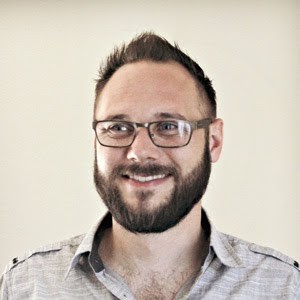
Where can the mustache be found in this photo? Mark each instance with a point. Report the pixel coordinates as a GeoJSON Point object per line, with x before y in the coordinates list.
{"type": "Point", "coordinates": [144, 170]}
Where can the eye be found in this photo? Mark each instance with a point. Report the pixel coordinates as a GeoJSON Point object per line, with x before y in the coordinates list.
{"type": "Point", "coordinates": [117, 129]}
{"type": "Point", "coordinates": [167, 128]}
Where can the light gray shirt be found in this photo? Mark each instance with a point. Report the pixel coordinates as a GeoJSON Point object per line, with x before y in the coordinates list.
{"type": "Point", "coordinates": [72, 269]}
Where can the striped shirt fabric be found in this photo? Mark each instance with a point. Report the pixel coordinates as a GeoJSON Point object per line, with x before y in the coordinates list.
{"type": "Point", "coordinates": [72, 269]}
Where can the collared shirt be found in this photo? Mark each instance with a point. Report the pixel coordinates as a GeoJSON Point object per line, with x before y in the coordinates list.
{"type": "Point", "coordinates": [72, 269]}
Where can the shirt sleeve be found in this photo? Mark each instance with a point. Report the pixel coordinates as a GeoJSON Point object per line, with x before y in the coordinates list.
{"type": "Point", "coordinates": [297, 294]}
{"type": "Point", "coordinates": [3, 288]}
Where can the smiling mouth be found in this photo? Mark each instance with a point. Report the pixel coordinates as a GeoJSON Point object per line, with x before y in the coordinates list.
{"type": "Point", "coordinates": [141, 178]}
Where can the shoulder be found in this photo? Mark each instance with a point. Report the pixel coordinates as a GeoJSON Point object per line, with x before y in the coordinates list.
{"type": "Point", "coordinates": [258, 268]}
{"type": "Point", "coordinates": [253, 255]}
{"type": "Point", "coordinates": [40, 273]}
{"type": "Point", "coordinates": [274, 255]}
{"type": "Point", "coordinates": [46, 255]}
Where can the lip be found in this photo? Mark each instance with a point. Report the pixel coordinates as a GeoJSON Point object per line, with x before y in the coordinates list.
{"type": "Point", "coordinates": [146, 181]}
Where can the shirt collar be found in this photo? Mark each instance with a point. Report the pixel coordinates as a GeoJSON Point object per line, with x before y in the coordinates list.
{"type": "Point", "coordinates": [219, 243]}
{"type": "Point", "coordinates": [89, 244]}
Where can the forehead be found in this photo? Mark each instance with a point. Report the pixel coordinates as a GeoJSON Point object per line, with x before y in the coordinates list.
{"type": "Point", "coordinates": [144, 89]}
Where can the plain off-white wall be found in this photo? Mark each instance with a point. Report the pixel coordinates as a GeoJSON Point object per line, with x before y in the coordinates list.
{"type": "Point", "coordinates": [50, 53]}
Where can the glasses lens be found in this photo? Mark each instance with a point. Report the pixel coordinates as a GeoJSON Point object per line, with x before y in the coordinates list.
{"type": "Point", "coordinates": [115, 133]}
{"type": "Point", "coordinates": [170, 133]}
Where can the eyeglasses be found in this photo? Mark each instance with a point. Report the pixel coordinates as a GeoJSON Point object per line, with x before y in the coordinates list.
{"type": "Point", "coordinates": [166, 133]}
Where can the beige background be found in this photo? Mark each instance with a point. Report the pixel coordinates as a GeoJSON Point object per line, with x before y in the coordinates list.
{"type": "Point", "coordinates": [50, 53]}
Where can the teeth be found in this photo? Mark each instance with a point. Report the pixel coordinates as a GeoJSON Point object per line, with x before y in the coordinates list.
{"type": "Point", "coordinates": [147, 178]}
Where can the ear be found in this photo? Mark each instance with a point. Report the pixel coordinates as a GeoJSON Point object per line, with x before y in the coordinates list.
{"type": "Point", "coordinates": [215, 139]}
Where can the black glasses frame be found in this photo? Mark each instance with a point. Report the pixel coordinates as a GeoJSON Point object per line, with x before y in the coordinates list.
{"type": "Point", "coordinates": [204, 123]}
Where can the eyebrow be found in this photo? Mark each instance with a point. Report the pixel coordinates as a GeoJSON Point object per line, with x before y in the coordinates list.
{"type": "Point", "coordinates": [117, 117]}
{"type": "Point", "coordinates": [161, 115]}
{"type": "Point", "coordinates": [165, 115]}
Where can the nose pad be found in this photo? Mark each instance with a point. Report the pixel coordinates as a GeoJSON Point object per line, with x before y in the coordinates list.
{"type": "Point", "coordinates": [142, 147]}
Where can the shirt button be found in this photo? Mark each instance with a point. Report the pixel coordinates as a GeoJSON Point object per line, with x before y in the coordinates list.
{"type": "Point", "coordinates": [15, 260]}
{"type": "Point", "coordinates": [296, 264]}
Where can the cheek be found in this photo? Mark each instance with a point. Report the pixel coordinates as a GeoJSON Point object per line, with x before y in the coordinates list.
{"type": "Point", "coordinates": [189, 157]}
{"type": "Point", "coordinates": [108, 158]}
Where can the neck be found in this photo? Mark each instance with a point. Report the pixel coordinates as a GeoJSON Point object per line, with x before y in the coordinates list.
{"type": "Point", "coordinates": [155, 251]}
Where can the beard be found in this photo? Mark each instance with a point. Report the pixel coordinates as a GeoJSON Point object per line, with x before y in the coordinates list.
{"type": "Point", "coordinates": [187, 192]}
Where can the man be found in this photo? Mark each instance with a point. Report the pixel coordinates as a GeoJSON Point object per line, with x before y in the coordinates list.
{"type": "Point", "coordinates": [156, 136]}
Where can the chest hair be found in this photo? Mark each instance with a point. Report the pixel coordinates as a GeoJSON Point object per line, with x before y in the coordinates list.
{"type": "Point", "coordinates": [157, 286]}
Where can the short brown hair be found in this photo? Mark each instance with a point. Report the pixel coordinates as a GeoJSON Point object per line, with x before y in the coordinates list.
{"type": "Point", "coordinates": [151, 47]}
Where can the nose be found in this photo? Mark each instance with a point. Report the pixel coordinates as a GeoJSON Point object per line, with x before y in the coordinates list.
{"type": "Point", "coordinates": [142, 148]}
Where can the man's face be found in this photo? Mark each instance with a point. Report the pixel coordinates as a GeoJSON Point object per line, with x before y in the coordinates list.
{"type": "Point", "coordinates": [148, 188]}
